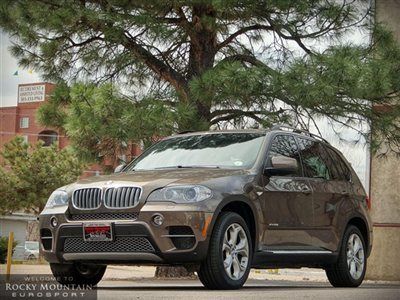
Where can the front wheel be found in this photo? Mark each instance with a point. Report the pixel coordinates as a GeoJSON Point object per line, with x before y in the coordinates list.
{"type": "Point", "coordinates": [349, 270]}
{"type": "Point", "coordinates": [228, 261]}
{"type": "Point", "coordinates": [78, 273]}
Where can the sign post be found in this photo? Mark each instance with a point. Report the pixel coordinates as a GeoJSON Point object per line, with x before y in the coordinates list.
{"type": "Point", "coordinates": [9, 254]}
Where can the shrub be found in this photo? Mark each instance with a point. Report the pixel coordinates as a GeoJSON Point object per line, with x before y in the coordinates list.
{"type": "Point", "coordinates": [3, 248]}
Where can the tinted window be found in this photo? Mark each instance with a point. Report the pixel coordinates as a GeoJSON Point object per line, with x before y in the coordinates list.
{"type": "Point", "coordinates": [343, 172]}
{"type": "Point", "coordinates": [231, 150]}
{"type": "Point", "coordinates": [284, 145]}
{"type": "Point", "coordinates": [316, 161]}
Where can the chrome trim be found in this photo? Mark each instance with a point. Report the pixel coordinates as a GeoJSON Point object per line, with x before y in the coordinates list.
{"type": "Point", "coordinates": [86, 188]}
{"type": "Point", "coordinates": [178, 235]}
{"type": "Point", "coordinates": [122, 186]}
{"type": "Point", "coordinates": [301, 252]}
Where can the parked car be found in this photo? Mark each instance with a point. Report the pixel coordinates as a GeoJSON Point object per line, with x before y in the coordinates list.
{"type": "Point", "coordinates": [27, 251]}
{"type": "Point", "coordinates": [219, 203]}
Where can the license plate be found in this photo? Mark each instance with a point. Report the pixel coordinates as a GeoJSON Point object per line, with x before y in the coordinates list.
{"type": "Point", "coordinates": [97, 232]}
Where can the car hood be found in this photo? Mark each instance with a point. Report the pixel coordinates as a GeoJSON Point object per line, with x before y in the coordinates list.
{"type": "Point", "coordinates": [150, 180]}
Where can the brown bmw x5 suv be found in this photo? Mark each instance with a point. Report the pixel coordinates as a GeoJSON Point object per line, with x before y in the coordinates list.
{"type": "Point", "coordinates": [219, 202]}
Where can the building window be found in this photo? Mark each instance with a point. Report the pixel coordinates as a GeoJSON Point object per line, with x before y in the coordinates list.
{"type": "Point", "coordinates": [24, 122]}
{"type": "Point", "coordinates": [48, 137]}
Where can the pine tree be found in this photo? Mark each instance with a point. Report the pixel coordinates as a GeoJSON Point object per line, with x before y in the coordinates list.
{"type": "Point", "coordinates": [221, 62]}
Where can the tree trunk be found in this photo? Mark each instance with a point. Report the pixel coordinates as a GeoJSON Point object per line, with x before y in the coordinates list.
{"type": "Point", "coordinates": [203, 41]}
{"type": "Point", "coordinates": [173, 272]}
{"type": "Point", "coordinates": [201, 58]}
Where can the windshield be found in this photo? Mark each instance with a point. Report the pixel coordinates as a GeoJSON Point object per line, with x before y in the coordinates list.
{"type": "Point", "coordinates": [216, 150]}
{"type": "Point", "coordinates": [32, 245]}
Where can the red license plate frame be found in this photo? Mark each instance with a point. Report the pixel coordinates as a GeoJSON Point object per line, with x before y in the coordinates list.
{"type": "Point", "coordinates": [98, 232]}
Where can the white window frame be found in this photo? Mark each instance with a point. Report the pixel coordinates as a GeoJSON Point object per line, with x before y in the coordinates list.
{"type": "Point", "coordinates": [24, 122]}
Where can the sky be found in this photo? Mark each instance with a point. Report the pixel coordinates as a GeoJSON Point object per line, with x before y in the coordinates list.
{"type": "Point", "coordinates": [356, 154]}
{"type": "Point", "coordinates": [8, 81]}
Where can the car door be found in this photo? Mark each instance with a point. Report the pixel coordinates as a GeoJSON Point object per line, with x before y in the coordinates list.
{"type": "Point", "coordinates": [286, 201]}
{"type": "Point", "coordinates": [329, 220]}
{"type": "Point", "coordinates": [328, 192]}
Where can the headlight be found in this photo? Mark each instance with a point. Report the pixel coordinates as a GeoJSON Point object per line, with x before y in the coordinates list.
{"type": "Point", "coordinates": [181, 194]}
{"type": "Point", "coordinates": [57, 198]}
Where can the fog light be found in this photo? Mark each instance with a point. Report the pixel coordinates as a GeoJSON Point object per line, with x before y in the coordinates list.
{"type": "Point", "coordinates": [54, 221]}
{"type": "Point", "coordinates": [158, 219]}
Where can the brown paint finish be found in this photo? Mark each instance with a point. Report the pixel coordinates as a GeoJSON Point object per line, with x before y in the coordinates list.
{"type": "Point", "coordinates": [329, 199]}
{"type": "Point", "coordinates": [288, 211]}
{"type": "Point", "coordinates": [284, 212]}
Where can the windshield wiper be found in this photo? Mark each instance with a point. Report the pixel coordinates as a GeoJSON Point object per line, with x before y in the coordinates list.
{"type": "Point", "coordinates": [189, 167]}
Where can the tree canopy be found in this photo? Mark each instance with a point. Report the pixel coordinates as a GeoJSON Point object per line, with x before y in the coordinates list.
{"type": "Point", "coordinates": [103, 123]}
{"type": "Point", "coordinates": [221, 62]}
{"type": "Point", "coordinates": [30, 173]}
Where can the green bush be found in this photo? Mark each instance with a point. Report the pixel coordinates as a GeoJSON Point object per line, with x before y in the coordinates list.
{"type": "Point", "coordinates": [3, 248]}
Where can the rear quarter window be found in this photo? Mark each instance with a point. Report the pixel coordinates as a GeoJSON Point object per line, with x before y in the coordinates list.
{"type": "Point", "coordinates": [343, 171]}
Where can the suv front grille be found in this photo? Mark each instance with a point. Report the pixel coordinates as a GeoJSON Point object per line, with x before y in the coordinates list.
{"type": "Point", "coordinates": [120, 244]}
{"type": "Point", "coordinates": [122, 197]}
{"type": "Point", "coordinates": [88, 198]}
{"type": "Point", "coordinates": [105, 216]}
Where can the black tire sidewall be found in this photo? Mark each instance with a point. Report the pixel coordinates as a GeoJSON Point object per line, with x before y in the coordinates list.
{"type": "Point", "coordinates": [69, 274]}
{"type": "Point", "coordinates": [343, 255]}
{"type": "Point", "coordinates": [225, 221]}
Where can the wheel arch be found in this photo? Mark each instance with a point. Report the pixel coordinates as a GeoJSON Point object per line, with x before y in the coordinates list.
{"type": "Point", "coordinates": [361, 224]}
{"type": "Point", "coordinates": [243, 207]}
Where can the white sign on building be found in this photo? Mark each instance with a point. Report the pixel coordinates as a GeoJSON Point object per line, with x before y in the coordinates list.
{"type": "Point", "coordinates": [31, 93]}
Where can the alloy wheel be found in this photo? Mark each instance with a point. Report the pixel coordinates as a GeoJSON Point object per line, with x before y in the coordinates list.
{"type": "Point", "coordinates": [355, 256]}
{"type": "Point", "coordinates": [235, 251]}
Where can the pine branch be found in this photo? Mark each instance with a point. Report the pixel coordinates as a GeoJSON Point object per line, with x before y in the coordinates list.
{"type": "Point", "coordinates": [157, 66]}
{"type": "Point", "coordinates": [241, 31]}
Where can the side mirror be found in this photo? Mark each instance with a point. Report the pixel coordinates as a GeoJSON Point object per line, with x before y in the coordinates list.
{"type": "Point", "coordinates": [281, 165]}
{"type": "Point", "coordinates": [119, 168]}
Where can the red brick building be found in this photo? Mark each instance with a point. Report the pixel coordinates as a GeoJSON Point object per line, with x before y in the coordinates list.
{"type": "Point", "coordinates": [21, 120]}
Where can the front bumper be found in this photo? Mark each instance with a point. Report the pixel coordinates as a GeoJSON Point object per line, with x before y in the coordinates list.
{"type": "Point", "coordinates": [136, 240]}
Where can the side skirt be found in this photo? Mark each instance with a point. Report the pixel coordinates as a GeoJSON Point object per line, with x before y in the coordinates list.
{"type": "Point", "coordinates": [293, 259]}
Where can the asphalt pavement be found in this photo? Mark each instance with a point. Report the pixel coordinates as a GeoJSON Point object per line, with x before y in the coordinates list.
{"type": "Point", "coordinates": [133, 282]}
{"type": "Point", "coordinates": [253, 289]}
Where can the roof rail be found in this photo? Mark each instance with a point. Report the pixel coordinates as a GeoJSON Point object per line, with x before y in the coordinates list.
{"type": "Point", "coordinates": [300, 131]}
{"type": "Point", "coordinates": [185, 131]}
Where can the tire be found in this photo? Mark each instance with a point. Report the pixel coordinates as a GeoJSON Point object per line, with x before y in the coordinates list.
{"type": "Point", "coordinates": [78, 274]}
{"type": "Point", "coordinates": [212, 272]}
{"type": "Point", "coordinates": [339, 274]}
{"type": "Point", "coordinates": [31, 257]}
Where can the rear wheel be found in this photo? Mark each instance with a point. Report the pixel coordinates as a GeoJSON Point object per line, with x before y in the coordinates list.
{"type": "Point", "coordinates": [228, 261]}
{"type": "Point", "coordinates": [78, 273]}
{"type": "Point", "coordinates": [349, 270]}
